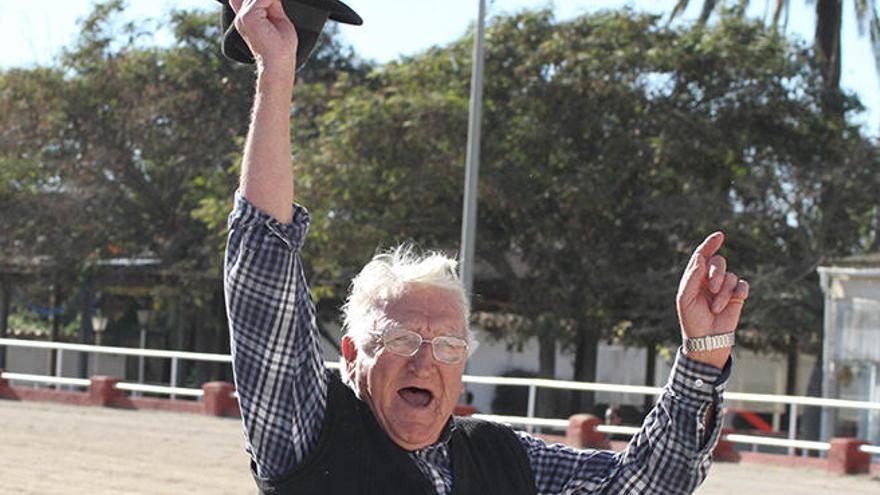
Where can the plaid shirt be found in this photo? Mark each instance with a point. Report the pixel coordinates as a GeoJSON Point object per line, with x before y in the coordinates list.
{"type": "Point", "coordinates": [282, 388]}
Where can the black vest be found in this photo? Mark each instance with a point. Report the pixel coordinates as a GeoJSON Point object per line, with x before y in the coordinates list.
{"type": "Point", "coordinates": [354, 456]}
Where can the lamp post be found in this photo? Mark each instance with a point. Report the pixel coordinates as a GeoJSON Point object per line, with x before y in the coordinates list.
{"type": "Point", "coordinates": [99, 324]}
{"type": "Point", "coordinates": [472, 166]}
{"type": "Point", "coordinates": [143, 317]}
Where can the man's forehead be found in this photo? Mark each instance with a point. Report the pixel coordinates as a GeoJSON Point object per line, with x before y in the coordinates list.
{"type": "Point", "coordinates": [426, 300]}
{"type": "Point", "coordinates": [437, 308]}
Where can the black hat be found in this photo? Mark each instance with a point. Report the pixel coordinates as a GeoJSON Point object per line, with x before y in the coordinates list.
{"type": "Point", "coordinates": [308, 16]}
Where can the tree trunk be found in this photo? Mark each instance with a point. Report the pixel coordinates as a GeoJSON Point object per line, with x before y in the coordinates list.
{"type": "Point", "coordinates": [4, 320]}
{"type": "Point", "coordinates": [811, 416]}
{"type": "Point", "coordinates": [546, 403]}
{"type": "Point", "coordinates": [585, 357]}
{"type": "Point", "coordinates": [221, 371]}
{"type": "Point", "coordinates": [55, 324]}
{"type": "Point", "coordinates": [875, 244]}
{"type": "Point", "coordinates": [188, 337]}
{"type": "Point", "coordinates": [791, 370]}
{"type": "Point", "coordinates": [85, 323]}
{"type": "Point", "coordinates": [175, 336]}
{"type": "Point", "coordinates": [827, 40]}
{"type": "Point", "coordinates": [202, 343]}
{"type": "Point", "coordinates": [650, 374]}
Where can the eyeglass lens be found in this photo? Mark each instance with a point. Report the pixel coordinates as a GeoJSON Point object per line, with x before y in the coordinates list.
{"type": "Point", "coordinates": [446, 349]}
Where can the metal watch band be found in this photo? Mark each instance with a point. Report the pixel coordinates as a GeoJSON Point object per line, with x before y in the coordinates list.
{"type": "Point", "coordinates": [709, 342]}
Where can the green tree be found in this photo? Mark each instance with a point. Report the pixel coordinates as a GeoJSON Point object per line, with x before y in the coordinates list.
{"type": "Point", "coordinates": [612, 144]}
{"type": "Point", "coordinates": [601, 135]}
{"type": "Point", "coordinates": [126, 149]}
{"type": "Point", "coordinates": [829, 28]}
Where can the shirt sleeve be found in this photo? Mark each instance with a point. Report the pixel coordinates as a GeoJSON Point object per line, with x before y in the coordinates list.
{"type": "Point", "coordinates": [279, 375]}
{"type": "Point", "coordinates": [669, 455]}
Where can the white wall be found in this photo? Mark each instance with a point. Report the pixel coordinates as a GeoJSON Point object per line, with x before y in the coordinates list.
{"type": "Point", "coordinates": [752, 372]}
{"type": "Point", "coordinates": [36, 361]}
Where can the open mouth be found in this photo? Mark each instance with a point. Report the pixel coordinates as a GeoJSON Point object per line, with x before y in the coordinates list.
{"type": "Point", "coordinates": [415, 396]}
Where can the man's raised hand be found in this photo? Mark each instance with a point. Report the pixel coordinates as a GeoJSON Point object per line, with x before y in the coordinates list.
{"type": "Point", "coordinates": [710, 299]}
{"type": "Point", "coordinates": [269, 34]}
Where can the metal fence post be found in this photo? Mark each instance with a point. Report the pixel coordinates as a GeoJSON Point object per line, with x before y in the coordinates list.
{"type": "Point", "coordinates": [530, 410]}
{"type": "Point", "coordinates": [792, 425]}
{"type": "Point", "coordinates": [59, 362]}
{"type": "Point", "coordinates": [173, 374]}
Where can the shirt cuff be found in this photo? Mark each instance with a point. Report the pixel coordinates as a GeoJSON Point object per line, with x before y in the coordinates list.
{"type": "Point", "coordinates": [696, 380]}
{"type": "Point", "coordinates": [245, 215]}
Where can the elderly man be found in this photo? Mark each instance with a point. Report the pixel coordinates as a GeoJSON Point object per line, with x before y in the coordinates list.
{"type": "Point", "coordinates": [387, 425]}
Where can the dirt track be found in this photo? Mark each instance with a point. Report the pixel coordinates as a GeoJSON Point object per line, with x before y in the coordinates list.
{"type": "Point", "coordinates": [51, 448]}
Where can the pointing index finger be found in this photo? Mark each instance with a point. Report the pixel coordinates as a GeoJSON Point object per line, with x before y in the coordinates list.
{"type": "Point", "coordinates": [697, 269]}
{"type": "Point", "coordinates": [711, 245]}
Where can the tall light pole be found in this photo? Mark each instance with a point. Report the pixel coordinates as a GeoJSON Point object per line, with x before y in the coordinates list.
{"type": "Point", "coordinates": [472, 166]}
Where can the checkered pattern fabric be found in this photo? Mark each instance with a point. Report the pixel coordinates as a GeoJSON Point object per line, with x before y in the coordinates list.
{"type": "Point", "coordinates": [282, 388]}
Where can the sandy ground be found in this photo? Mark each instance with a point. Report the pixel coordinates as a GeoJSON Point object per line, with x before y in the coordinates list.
{"type": "Point", "coordinates": [50, 448]}
{"type": "Point", "coordinates": [748, 478]}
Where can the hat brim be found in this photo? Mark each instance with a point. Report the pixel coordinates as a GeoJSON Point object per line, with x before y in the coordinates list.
{"type": "Point", "coordinates": [339, 11]}
{"type": "Point", "coordinates": [343, 13]}
{"type": "Point", "coordinates": [309, 20]}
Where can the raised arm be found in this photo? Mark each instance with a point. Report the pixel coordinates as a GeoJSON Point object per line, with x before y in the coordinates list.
{"type": "Point", "coordinates": [279, 374]}
{"type": "Point", "coordinates": [710, 299]}
{"type": "Point", "coordinates": [267, 172]}
{"type": "Point", "coordinates": [672, 451]}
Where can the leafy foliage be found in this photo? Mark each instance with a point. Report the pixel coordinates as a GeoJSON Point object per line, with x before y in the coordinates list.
{"type": "Point", "coordinates": [612, 144]}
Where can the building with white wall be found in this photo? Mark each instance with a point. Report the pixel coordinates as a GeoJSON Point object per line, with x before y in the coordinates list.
{"type": "Point", "coordinates": [851, 346]}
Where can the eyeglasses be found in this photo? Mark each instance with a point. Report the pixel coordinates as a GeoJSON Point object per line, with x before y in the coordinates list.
{"type": "Point", "coordinates": [406, 343]}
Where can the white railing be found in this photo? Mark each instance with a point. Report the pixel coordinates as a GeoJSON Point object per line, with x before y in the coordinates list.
{"type": "Point", "coordinates": [171, 389]}
{"type": "Point", "coordinates": [870, 449]}
{"type": "Point", "coordinates": [777, 442]}
{"type": "Point", "coordinates": [174, 356]}
{"type": "Point", "coordinates": [754, 440]}
{"type": "Point", "coordinates": [49, 380]}
{"type": "Point", "coordinates": [791, 400]}
{"type": "Point", "coordinates": [160, 389]}
{"type": "Point", "coordinates": [529, 420]}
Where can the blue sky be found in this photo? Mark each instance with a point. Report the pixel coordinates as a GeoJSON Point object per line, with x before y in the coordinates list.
{"type": "Point", "coordinates": [33, 32]}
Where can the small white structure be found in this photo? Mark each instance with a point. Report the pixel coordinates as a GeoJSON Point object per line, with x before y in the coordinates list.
{"type": "Point", "coordinates": [851, 352]}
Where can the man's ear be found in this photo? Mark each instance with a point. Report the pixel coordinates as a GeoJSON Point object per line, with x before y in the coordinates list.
{"type": "Point", "coordinates": [349, 353]}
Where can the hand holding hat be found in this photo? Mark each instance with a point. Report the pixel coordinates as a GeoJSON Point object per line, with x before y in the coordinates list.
{"type": "Point", "coordinates": [278, 31]}
{"type": "Point", "coordinates": [259, 29]}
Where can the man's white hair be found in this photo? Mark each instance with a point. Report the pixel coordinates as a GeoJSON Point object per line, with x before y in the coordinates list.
{"type": "Point", "coordinates": [388, 275]}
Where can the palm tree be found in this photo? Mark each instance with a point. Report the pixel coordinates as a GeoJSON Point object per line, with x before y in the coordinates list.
{"type": "Point", "coordinates": [829, 14]}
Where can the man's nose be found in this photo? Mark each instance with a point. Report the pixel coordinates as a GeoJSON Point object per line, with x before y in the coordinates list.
{"type": "Point", "coordinates": [423, 358]}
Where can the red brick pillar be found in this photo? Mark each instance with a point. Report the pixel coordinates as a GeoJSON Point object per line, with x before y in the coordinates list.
{"type": "Point", "coordinates": [464, 410]}
{"type": "Point", "coordinates": [845, 457]}
{"type": "Point", "coordinates": [581, 432]}
{"type": "Point", "coordinates": [5, 389]}
{"type": "Point", "coordinates": [218, 400]}
{"type": "Point", "coordinates": [724, 451]}
{"type": "Point", "coordinates": [103, 392]}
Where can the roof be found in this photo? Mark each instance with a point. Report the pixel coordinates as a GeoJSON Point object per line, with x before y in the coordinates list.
{"type": "Point", "coordinates": [869, 260]}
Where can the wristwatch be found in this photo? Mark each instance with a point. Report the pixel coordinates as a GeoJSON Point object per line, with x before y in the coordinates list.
{"type": "Point", "coordinates": [709, 342]}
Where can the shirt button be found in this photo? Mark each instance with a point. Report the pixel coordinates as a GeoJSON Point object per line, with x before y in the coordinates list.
{"type": "Point", "coordinates": [699, 383]}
